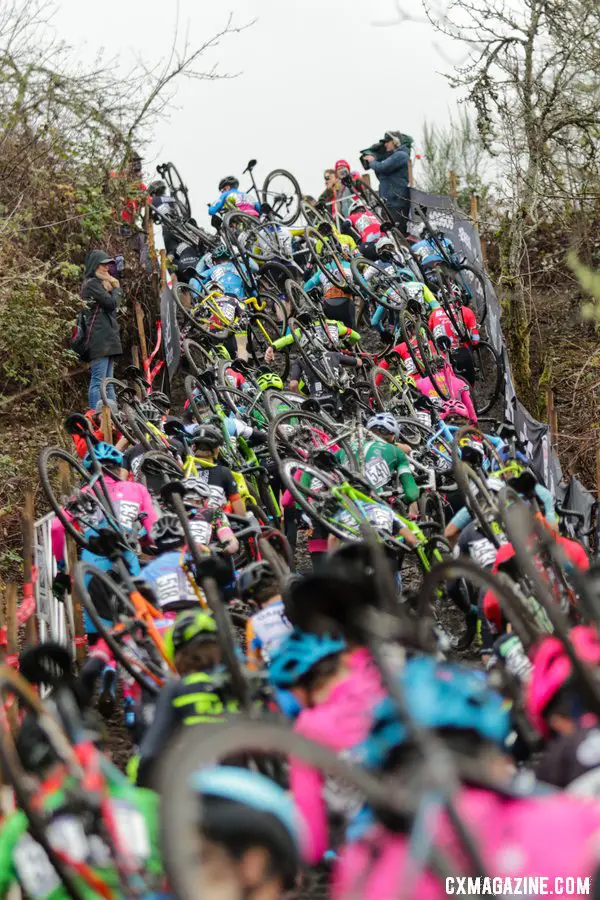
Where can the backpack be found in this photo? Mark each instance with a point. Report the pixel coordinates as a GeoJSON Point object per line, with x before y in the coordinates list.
{"type": "Point", "coordinates": [80, 334]}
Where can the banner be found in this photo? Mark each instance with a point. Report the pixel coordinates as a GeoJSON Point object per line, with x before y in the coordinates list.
{"type": "Point", "coordinates": [446, 217]}
{"type": "Point", "coordinates": [170, 331]}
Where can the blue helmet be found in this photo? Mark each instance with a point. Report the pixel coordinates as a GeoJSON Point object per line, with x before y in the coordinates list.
{"type": "Point", "coordinates": [298, 653]}
{"type": "Point", "coordinates": [438, 695]}
{"type": "Point", "coordinates": [105, 453]}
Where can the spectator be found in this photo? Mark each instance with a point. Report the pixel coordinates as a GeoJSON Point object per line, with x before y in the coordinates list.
{"type": "Point", "coordinates": [327, 196]}
{"type": "Point", "coordinates": [344, 195]}
{"type": "Point", "coordinates": [103, 294]}
{"type": "Point", "coordinates": [392, 172]}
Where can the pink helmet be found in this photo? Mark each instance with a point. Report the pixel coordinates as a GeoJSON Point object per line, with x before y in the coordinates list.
{"type": "Point", "coordinates": [552, 668]}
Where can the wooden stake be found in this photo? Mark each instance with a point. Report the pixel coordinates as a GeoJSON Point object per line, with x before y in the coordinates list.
{"type": "Point", "coordinates": [139, 319]}
{"type": "Point", "coordinates": [366, 177]}
{"type": "Point", "coordinates": [28, 530]}
{"type": "Point", "coordinates": [75, 623]}
{"type": "Point", "coordinates": [106, 424]}
{"type": "Point", "coordinates": [410, 172]}
{"type": "Point", "coordinates": [149, 224]}
{"type": "Point", "coordinates": [552, 416]}
{"type": "Point", "coordinates": [474, 209]}
{"type": "Point", "coordinates": [598, 470]}
{"type": "Point", "coordinates": [452, 177]}
{"type": "Point", "coordinates": [12, 638]}
{"type": "Point", "coordinates": [163, 269]}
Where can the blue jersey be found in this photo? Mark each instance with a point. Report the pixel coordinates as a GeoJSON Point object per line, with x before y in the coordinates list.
{"type": "Point", "coordinates": [225, 275]}
{"type": "Point", "coordinates": [237, 200]}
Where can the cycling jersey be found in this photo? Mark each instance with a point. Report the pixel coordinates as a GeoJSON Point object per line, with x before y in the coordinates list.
{"type": "Point", "coordinates": [336, 330]}
{"type": "Point", "coordinates": [24, 861]}
{"type": "Point", "coordinates": [428, 254]}
{"type": "Point", "coordinates": [265, 630]}
{"type": "Point", "coordinates": [569, 756]}
{"type": "Point", "coordinates": [315, 388]}
{"type": "Point", "coordinates": [341, 722]}
{"type": "Point", "coordinates": [224, 274]}
{"type": "Point", "coordinates": [222, 484]}
{"type": "Point", "coordinates": [200, 697]}
{"type": "Point", "coordinates": [441, 325]}
{"type": "Point", "coordinates": [459, 402]}
{"type": "Point", "coordinates": [553, 835]}
{"type": "Point", "coordinates": [320, 278]}
{"type": "Point", "coordinates": [462, 518]}
{"type": "Point", "coordinates": [129, 500]}
{"type": "Point", "coordinates": [233, 198]}
{"type": "Point", "coordinates": [381, 462]}
{"type": "Point", "coordinates": [366, 225]}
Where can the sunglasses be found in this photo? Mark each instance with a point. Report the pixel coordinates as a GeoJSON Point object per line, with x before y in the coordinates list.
{"type": "Point", "coordinates": [327, 177]}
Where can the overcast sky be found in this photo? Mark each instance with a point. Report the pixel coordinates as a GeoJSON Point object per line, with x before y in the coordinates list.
{"type": "Point", "coordinates": [319, 80]}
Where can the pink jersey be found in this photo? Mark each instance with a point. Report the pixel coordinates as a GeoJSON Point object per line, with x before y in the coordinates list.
{"type": "Point", "coordinates": [341, 722]}
{"type": "Point", "coordinates": [552, 836]}
{"type": "Point", "coordinates": [366, 225]}
{"type": "Point", "coordinates": [441, 326]}
{"type": "Point", "coordinates": [458, 404]}
{"type": "Point", "coordinates": [129, 499]}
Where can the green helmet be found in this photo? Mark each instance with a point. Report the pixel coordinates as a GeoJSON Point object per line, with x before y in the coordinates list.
{"type": "Point", "coordinates": [222, 351]}
{"type": "Point", "coordinates": [191, 625]}
{"type": "Point", "coordinates": [270, 380]}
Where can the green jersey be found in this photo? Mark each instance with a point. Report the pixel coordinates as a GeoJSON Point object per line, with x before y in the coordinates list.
{"type": "Point", "coordinates": [24, 861]}
{"type": "Point", "coordinates": [337, 331]}
{"type": "Point", "coordinates": [383, 461]}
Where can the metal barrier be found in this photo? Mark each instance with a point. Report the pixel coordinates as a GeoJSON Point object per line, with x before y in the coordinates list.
{"type": "Point", "coordinates": [55, 617]}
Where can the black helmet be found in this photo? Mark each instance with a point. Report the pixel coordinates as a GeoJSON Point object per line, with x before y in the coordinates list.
{"type": "Point", "coordinates": [207, 437]}
{"type": "Point", "coordinates": [229, 180]}
{"type": "Point", "coordinates": [150, 412]}
{"type": "Point", "coordinates": [252, 577]}
{"type": "Point", "coordinates": [160, 400]}
{"type": "Point", "coordinates": [157, 188]}
{"type": "Point", "coordinates": [167, 533]}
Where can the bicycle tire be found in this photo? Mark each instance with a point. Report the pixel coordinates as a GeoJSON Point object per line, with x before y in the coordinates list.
{"type": "Point", "coordinates": [472, 430]}
{"type": "Point", "coordinates": [275, 308]}
{"type": "Point", "coordinates": [301, 493]}
{"type": "Point", "coordinates": [407, 322]}
{"type": "Point", "coordinates": [304, 420]}
{"type": "Point", "coordinates": [118, 417]}
{"type": "Point", "coordinates": [82, 569]}
{"type": "Point", "coordinates": [276, 402]}
{"type": "Point", "coordinates": [215, 334]}
{"type": "Point", "coordinates": [465, 477]}
{"type": "Point", "coordinates": [484, 347]}
{"type": "Point", "coordinates": [290, 216]}
{"type": "Point", "coordinates": [45, 455]}
{"type": "Point", "coordinates": [478, 297]}
{"type": "Point", "coordinates": [433, 371]}
{"type": "Point", "coordinates": [389, 383]}
{"type": "Point", "coordinates": [272, 276]}
{"type": "Point", "coordinates": [261, 332]}
{"type": "Point", "coordinates": [168, 463]}
{"type": "Point", "coordinates": [335, 275]}
{"type": "Point", "coordinates": [199, 359]}
{"type": "Point", "coordinates": [378, 297]}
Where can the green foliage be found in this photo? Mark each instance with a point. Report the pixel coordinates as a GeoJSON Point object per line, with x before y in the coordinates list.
{"type": "Point", "coordinates": [590, 282]}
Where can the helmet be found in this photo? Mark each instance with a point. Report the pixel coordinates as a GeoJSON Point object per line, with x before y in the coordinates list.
{"type": "Point", "coordinates": [191, 625]}
{"type": "Point", "coordinates": [207, 437]}
{"type": "Point", "coordinates": [251, 577]}
{"type": "Point", "coordinates": [552, 669]}
{"type": "Point", "coordinates": [384, 244]}
{"type": "Point", "coordinates": [33, 747]}
{"type": "Point", "coordinates": [230, 180]}
{"type": "Point", "coordinates": [228, 792]}
{"type": "Point", "coordinates": [157, 188]}
{"type": "Point", "coordinates": [471, 450]}
{"type": "Point", "coordinates": [220, 250]}
{"type": "Point", "coordinates": [149, 411]}
{"type": "Point", "coordinates": [356, 204]}
{"type": "Point", "coordinates": [197, 488]}
{"type": "Point", "coordinates": [160, 400]}
{"type": "Point", "coordinates": [438, 695]}
{"type": "Point", "coordinates": [167, 533]}
{"type": "Point", "coordinates": [270, 380]}
{"type": "Point", "coordinates": [298, 653]}
{"type": "Point", "coordinates": [105, 453]}
{"type": "Point", "coordinates": [384, 421]}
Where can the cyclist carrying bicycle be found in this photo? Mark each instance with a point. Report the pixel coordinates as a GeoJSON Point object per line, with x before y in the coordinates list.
{"type": "Point", "coordinates": [232, 198]}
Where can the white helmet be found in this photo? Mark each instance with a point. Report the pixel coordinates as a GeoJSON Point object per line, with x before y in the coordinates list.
{"type": "Point", "coordinates": [385, 243]}
{"type": "Point", "coordinates": [355, 205]}
{"type": "Point", "coordinates": [384, 421]}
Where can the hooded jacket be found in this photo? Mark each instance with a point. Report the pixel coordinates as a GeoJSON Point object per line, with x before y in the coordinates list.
{"type": "Point", "coordinates": [392, 173]}
{"type": "Point", "coordinates": [104, 339]}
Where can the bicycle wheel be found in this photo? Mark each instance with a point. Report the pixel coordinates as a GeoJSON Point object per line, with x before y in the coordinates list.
{"type": "Point", "coordinates": [409, 328]}
{"type": "Point", "coordinates": [431, 509]}
{"type": "Point", "coordinates": [303, 434]}
{"type": "Point", "coordinates": [62, 476]}
{"type": "Point", "coordinates": [313, 354]}
{"type": "Point", "coordinates": [430, 451]}
{"type": "Point", "coordinates": [124, 395]}
{"type": "Point", "coordinates": [158, 465]}
{"type": "Point", "coordinates": [274, 306]}
{"type": "Point", "coordinates": [25, 790]}
{"type": "Point", "coordinates": [195, 309]}
{"type": "Point", "coordinates": [478, 499]}
{"type": "Point", "coordinates": [312, 489]}
{"type": "Point", "coordinates": [261, 333]}
{"type": "Point", "coordinates": [148, 673]}
{"type": "Point", "coordinates": [272, 277]}
{"type": "Point", "coordinates": [390, 393]}
{"type": "Point", "coordinates": [282, 193]}
{"type": "Point", "coordinates": [381, 286]}
{"type": "Point", "coordinates": [472, 432]}
{"type": "Point", "coordinates": [177, 189]}
{"type": "Point", "coordinates": [489, 377]}
{"type": "Point", "coordinates": [435, 363]}
{"type": "Point", "coordinates": [276, 402]}
{"type": "Point", "coordinates": [199, 358]}
{"type": "Point", "coordinates": [474, 292]}
{"type": "Point", "coordinates": [325, 257]}
{"type": "Point", "coordinates": [300, 302]}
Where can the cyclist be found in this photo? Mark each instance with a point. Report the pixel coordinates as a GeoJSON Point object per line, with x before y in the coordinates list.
{"type": "Point", "coordinates": [337, 704]}
{"type": "Point", "coordinates": [367, 227]}
{"type": "Point", "coordinates": [515, 832]}
{"type": "Point", "coordinates": [199, 695]}
{"type": "Point", "coordinates": [206, 443]}
{"type": "Point", "coordinates": [338, 302]}
{"type": "Point", "coordinates": [77, 828]}
{"type": "Point", "coordinates": [384, 458]}
{"type": "Point", "coordinates": [251, 836]}
{"type": "Point", "coordinates": [217, 268]}
{"type": "Point", "coordinates": [266, 628]}
{"type": "Point", "coordinates": [558, 709]}
{"type": "Point", "coordinates": [441, 326]}
{"type": "Point", "coordinates": [232, 198]}
{"type": "Point", "coordinates": [459, 401]}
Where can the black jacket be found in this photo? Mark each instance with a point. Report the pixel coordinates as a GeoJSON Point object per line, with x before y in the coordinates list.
{"type": "Point", "coordinates": [104, 339]}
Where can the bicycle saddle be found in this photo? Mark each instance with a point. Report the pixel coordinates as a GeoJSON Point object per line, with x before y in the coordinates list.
{"type": "Point", "coordinates": [76, 423]}
{"type": "Point", "coordinates": [49, 663]}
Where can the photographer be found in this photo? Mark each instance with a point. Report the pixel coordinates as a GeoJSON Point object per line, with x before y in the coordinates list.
{"type": "Point", "coordinates": [392, 172]}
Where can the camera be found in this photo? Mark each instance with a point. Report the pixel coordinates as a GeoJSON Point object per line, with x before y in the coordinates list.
{"type": "Point", "coordinates": [377, 150]}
